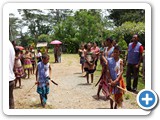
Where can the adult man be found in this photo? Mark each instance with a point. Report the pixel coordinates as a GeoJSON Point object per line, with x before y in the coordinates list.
{"type": "Point", "coordinates": [134, 57]}
{"type": "Point", "coordinates": [11, 75]}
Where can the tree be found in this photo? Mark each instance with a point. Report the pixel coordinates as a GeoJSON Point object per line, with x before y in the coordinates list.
{"type": "Point", "coordinates": [119, 16]}
{"type": "Point", "coordinates": [127, 30]}
{"type": "Point", "coordinates": [13, 32]}
{"type": "Point", "coordinates": [37, 21]}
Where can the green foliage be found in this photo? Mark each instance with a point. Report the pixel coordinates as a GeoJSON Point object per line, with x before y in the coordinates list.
{"type": "Point", "coordinates": [74, 27]}
{"type": "Point", "coordinates": [127, 30]}
{"type": "Point", "coordinates": [122, 43]}
{"type": "Point", "coordinates": [120, 16]}
{"type": "Point", "coordinates": [13, 26]}
{"type": "Point", "coordinates": [44, 37]}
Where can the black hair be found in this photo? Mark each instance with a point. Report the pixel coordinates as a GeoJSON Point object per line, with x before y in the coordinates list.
{"type": "Point", "coordinates": [45, 55]}
{"type": "Point", "coordinates": [85, 46]}
{"type": "Point", "coordinates": [109, 39]}
{"type": "Point", "coordinates": [17, 50]}
{"type": "Point", "coordinates": [117, 48]}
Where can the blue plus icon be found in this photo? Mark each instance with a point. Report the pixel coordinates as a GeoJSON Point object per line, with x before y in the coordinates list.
{"type": "Point", "coordinates": [147, 99]}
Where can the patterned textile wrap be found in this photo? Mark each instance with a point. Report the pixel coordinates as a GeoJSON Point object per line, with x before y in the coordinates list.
{"type": "Point", "coordinates": [27, 64]}
{"type": "Point", "coordinates": [117, 94]}
{"type": "Point", "coordinates": [43, 90]}
{"type": "Point", "coordinates": [19, 72]}
{"type": "Point", "coordinates": [105, 88]}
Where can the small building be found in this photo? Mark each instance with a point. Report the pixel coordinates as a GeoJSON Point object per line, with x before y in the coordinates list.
{"type": "Point", "coordinates": [42, 44]}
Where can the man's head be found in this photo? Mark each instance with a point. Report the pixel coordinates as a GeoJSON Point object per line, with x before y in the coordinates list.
{"type": "Point", "coordinates": [135, 38]}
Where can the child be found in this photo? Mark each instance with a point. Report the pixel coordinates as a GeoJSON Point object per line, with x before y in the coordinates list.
{"type": "Point", "coordinates": [89, 65]}
{"type": "Point", "coordinates": [43, 74]}
{"type": "Point", "coordinates": [19, 72]}
{"type": "Point", "coordinates": [115, 67]}
{"type": "Point", "coordinates": [81, 54]}
{"type": "Point", "coordinates": [27, 62]}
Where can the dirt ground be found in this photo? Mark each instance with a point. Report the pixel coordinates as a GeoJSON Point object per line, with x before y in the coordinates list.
{"type": "Point", "coordinates": [72, 91]}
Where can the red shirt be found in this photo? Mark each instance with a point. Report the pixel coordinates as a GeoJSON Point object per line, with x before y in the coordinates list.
{"type": "Point", "coordinates": [140, 48]}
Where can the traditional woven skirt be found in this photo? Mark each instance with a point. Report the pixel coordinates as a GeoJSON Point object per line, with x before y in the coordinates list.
{"type": "Point", "coordinates": [27, 64]}
{"type": "Point", "coordinates": [117, 94]}
{"type": "Point", "coordinates": [20, 72]}
{"type": "Point", "coordinates": [43, 90]}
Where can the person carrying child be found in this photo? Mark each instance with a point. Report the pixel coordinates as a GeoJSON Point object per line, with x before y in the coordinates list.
{"type": "Point", "coordinates": [43, 75]}
{"type": "Point", "coordinates": [89, 65]}
{"type": "Point", "coordinates": [115, 68]}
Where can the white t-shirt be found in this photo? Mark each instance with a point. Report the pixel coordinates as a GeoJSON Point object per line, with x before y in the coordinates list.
{"type": "Point", "coordinates": [11, 61]}
{"type": "Point", "coordinates": [46, 69]}
{"type": "Point", "coordinates": [39, 54]}
{"type": "Point", "coordinates": [117, 67]}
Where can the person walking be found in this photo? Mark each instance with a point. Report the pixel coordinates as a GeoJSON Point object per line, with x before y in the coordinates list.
{"type": "Point", "coordinates": [43, 75]}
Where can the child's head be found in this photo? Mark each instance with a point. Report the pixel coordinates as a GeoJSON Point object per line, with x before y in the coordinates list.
{"type": "Point", "coordinates": [45, 58]}
{"type": "Point", "coordinates": [82, 46]}
{"type": "Point", "coordinates": [17, 51]}
{"type": "Point", "coordinates": [117, 51]}
{"type": "Point", "coordinates": [89, 45]}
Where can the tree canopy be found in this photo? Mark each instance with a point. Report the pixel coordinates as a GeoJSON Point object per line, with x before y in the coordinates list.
{"type": "Point", "coordinates": [74, 27]}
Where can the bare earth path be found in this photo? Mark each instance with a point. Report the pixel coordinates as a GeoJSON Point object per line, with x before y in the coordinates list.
{"type": "Point", "coordinates": [72, 91]}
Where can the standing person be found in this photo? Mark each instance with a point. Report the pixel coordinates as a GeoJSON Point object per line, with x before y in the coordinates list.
{"type": "Point", "coordinates": [134, 57]}
{"type": "Point", "coordinates": [115, 66]}
{"type": "Point", "coordinates": [18, 69]}
{"type": "Point", "coordinates": [89, 65]}
{"type": "Point", "coordinates": [55, 53]}
{"type": "Point", "coordinates": [11, 75]}
{"type": "Point", "coordinates": [96, 51]}
{"type": "Point", "coordinates": [81, 54]}
{"type": "Point", "coordinates": [39, 56]}
{"type": "Point", "coordinates": [59, 52]}
{"type": "Point", "coordinates": [33, 61]}
{"type": "Point", "coordinates": [108, 52]}
{"type": "Point", "coordinates": [109, 49]}
{"type": "Point", "coordinates": [43, 75]}
{"type": "Point", "coordinates": [27, 62]}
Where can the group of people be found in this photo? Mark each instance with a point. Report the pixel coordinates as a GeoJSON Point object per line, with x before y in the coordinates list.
{"type": "Point", "coordinates": [111, 79]}
{"type": "Point", "coordinates": [19, 63]}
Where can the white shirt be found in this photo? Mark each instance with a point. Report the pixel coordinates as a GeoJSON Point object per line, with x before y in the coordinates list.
{"type": "Point", "coordinates": [117, 67]}
{"type": "Point", "coordinates": [11, 61]}
{"type": "Point", "coordinates": [46, 69]}
{"type": "Point", "coordinates": [39, 54]}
